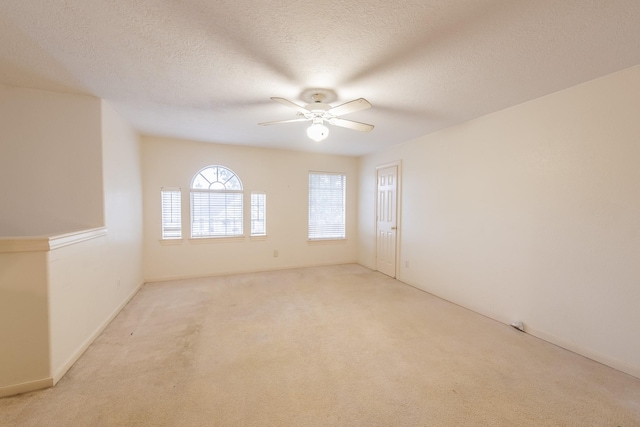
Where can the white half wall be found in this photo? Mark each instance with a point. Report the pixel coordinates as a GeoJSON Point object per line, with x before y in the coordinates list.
{"type": "Point", "coordinates": [24, 316]}
{"type": "Point", "coordinates": [282, 175]}
{"type": "Point", "coordinates": [58, 292]}
{"type": "Point", "coordinates": [532, 214]}
{"type": "Point", "coordinates": [50, 152]}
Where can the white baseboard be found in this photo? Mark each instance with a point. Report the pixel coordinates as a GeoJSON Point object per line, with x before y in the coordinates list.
{"type": "Point", "coordinates": [59, 372]}
{"type": "Point", "coordinates": [14, 389]}
{"type": "Point", "coordinates": [590, 354]}
{"type": "Point", "coordinates": [634, 371]}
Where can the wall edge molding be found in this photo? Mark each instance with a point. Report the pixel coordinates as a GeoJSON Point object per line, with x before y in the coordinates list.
{"type": "Point", "coordinates": [48, 243]}
{"type": "Point", "coordinates": [62, 240]}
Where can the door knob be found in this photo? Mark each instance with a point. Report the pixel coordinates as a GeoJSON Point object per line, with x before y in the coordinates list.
{"type": "Point", "coordinates": [393, 228]}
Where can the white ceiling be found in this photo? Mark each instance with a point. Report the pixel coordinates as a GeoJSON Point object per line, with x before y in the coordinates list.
{"type": "Point", "coordinates": [205, 70]}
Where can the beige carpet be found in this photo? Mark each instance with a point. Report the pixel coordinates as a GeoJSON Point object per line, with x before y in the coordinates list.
{"type": "Point", "coordinates": [326, 346]}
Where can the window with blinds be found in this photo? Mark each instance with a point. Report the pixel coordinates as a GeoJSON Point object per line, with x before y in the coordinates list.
{"type": "Point", "coordinates": [216, 203]}
{"type": "Point", "coordinates": [326, 205]}
{"type": "Point", "coordinates": [258, 214]}
{"type": "Point", "coordinates": [171, 213]}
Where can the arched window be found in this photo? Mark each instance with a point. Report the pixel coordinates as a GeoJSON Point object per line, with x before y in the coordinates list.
{"type": "Point", "coordinates": [216, 203]}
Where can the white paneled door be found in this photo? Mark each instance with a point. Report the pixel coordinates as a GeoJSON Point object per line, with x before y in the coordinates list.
{"type": "Point", "coordinates": [386, 224]}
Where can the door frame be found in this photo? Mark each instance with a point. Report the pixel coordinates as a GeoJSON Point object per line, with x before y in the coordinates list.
{"type": "Point", "coordinates": [398, 164]}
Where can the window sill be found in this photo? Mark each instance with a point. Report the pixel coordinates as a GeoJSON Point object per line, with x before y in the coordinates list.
{"type": "Point", "coordinates": [258, 238]}
{"type": "Point", "coordinates": [315, 242]}
{"type": "Point", "coordinates": [205, 240]}
{"type": "Point", "coordinates": [171, 242]}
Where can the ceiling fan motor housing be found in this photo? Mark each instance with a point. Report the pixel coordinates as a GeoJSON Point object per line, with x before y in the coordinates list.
{"type": "Point", "coordinates": [318, 107]}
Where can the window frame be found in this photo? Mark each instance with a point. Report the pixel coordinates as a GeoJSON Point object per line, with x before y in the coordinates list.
{"type": "Point", "coordinates": [227, 206]}
{"type": "Point", "coordinates": [262, 209]}
{"type": "Point", "coordinates": [171, 192]}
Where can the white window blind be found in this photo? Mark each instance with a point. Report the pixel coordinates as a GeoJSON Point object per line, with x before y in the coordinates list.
{"type": "Point", "coordinates": [258, 214]}
{"type": "Point", "coordinates": [326, 205]}
{"type": "Point", "coordinates": [171, 213]}
{"type": "Point", "coordinates": [216, 214]}
{"type": "Point", "coordinates": [216, 203]}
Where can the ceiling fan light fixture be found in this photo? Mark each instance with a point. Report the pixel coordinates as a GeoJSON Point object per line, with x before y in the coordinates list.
{"type": "Point", "coordinates": [317, 131]}
{"type": "Point", "coordinates": [317, 112]}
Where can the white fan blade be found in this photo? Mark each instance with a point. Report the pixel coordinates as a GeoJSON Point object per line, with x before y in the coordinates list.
{"type": "Point", "coordinates": [290, 104]}
{"type": "Point", "coordinates": [350, 107]}
{"type": "Point", "coordinates": [350, 124]}
{"type": "Point", "coordinates": [304, 119]}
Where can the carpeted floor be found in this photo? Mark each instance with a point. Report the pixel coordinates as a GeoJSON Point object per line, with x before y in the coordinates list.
{"type": "Point", "coordinates": [325, 346]}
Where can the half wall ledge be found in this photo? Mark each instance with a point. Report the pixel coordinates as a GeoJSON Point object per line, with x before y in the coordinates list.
{"type": "Point", "coordinates": [48, 242]}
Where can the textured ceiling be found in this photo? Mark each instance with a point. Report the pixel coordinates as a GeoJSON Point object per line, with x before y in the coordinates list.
{"type": "Point", "coordinates": [205, 70]}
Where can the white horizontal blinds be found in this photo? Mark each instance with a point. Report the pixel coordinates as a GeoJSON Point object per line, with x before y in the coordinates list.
{"type": "Point", "coordinates": [171, 213]}
{"type": "Point", "coordinates": [327, 205]}
{"type": "Point", "coordinates": [216, 203]}
{"type": "Point", "coordinates": [258, 214]}
{"type": "Point", "coordinates": [216, 214]}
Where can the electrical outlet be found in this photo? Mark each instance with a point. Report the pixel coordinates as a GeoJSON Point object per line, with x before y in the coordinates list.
{"type": "Point", "coordinates": [275, 253]}
{"type": "Point", "coordinates": [406, 264]}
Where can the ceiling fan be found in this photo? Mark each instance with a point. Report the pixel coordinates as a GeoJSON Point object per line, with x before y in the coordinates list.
{"type": "Point", "coordinates": [319, 112]}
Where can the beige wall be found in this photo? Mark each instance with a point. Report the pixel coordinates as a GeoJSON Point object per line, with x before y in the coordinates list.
{"type": "Point", "coordinates": [42, 136]}
{"type": "Point", "coordinates": [531, 214]}
{"type": "Point", "coordinates": [122, 167]}
{"type": "Point", "coordinates": [91, 281]}
{"type": "Point", "coordinates": [283, 175]}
